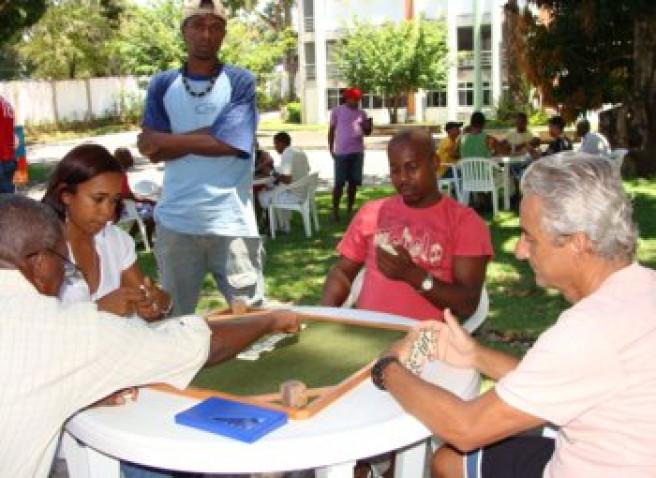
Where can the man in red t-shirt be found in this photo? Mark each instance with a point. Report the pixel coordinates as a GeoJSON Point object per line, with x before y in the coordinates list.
{"type": "Point", "coordinates": [423, 252]}
{"type": "Point", "coordinates": [7, 151]}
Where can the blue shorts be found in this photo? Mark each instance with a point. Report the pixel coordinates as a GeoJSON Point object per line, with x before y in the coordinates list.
{"type": "Point", "coordinates": [348, 169]}
{"type": "Point", "coordinates": [518, 457]}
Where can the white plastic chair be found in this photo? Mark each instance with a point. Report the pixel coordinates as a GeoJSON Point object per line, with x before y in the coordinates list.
{"type": "Point", "coordinates": [147, 188]}
{"type": "Point", "coordinates": [617, 159]}
{"type": "Point", "coordinates": [451, 185]}
{"type": "Point", "coordinates": [301, 200]}
{"type": "Point", "coordinates": [480, 175]}
{"type": "Point", "coordinates": [129, 217]}
{"type": "Point", "coordinates": [472, 323]}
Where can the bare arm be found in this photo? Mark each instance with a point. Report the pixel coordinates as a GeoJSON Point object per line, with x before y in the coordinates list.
{"type": "Point", "coordinates": [338, 282]}
{"type": "Point", "coordinates": [331, 138]}
{"type": "Point", "coordinates": [229, 337]}
{"type": "Point", "coordinates": [159, 146]}
{"type": "Point", "coordinates": [462, 295]}
{"type": "Point", "coordinates": [467, 425]}
{"type": "Point", "coordinates": [155, 301]}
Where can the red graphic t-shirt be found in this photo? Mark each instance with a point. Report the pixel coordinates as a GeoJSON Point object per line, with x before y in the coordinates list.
{"type": "Point", "coordinates": [433, 236]}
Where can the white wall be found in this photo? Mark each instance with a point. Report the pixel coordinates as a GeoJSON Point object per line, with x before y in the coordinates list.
{"type": "Point", "coordinates": [49, 101]}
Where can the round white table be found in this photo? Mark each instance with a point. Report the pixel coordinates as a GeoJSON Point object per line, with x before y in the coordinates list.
{"type": "Point", "coordinates": [365, 422]}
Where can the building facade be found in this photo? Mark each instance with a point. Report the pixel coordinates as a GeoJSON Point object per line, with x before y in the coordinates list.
{"type": "Point", "coordinates": [321, 22]}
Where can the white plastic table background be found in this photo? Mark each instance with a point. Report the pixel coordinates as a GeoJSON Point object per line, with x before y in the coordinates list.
{"type": "Point", "coordinates": [362, 423]}
{"type": "Point", "coordinates": [505, 162]}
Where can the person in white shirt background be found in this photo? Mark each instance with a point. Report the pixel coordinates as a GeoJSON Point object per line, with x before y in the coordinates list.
{"type": "Point", "coordinates": [56, 360]}
{"type": "Point", "coordinates": [592, 143]}
{"type": "Point", "coordinates": [294, 165]}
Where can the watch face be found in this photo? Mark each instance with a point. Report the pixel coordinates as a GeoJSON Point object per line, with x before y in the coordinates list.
{"type": "Point", "coordinates": [427, 283]}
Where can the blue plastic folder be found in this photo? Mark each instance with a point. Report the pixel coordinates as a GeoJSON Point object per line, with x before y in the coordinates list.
{"type": "Point", "coordinates": [240, 421]}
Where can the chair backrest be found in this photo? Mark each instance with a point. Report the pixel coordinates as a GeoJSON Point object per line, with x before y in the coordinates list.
{"type": "Point", "coordinates": [305, 187]}
{"type": "Point", "coordinates": [476, 174]}
{"type": "Point", "coordinates": [480, 314]}
{"type": "Point", "coordinates": [617, 159]}
{"type": "Point", "coordinates": [472, 323]}
{"type": "Point", "coordinates": [147, 188]}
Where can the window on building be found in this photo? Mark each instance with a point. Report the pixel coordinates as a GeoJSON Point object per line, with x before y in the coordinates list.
{"type": "Point", "coordinates": [308, 15]}
{"type": "Point", "coordinates": [466, 38]}
{"type": "Point", "coordinates": [466, 94]}
{"type": "Point", "coordinates": [487, 93]}
{"type": "Point", "coordinates": [332, 71]}
{"type": "Point", "coordinates": [371, 101]}
{"type": "Point", "coordinates": [436, 98]}
{"type": "Point", "coordinates": [334, 97]}
{"type": "Point", "coordinates": [310, 64]}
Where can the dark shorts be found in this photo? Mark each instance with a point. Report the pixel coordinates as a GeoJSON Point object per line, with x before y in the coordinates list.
{"type": "Point", "coordinates": [7, 170]}
{"type": "Point", "coordinates": [348, 169]}
{"type": "Point", "coordinates": [518, 457]}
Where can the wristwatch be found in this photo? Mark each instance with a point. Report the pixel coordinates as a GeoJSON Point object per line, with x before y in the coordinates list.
{"type": "Point", "coordinates": [378, 370]}
{"type": "Point", "coordinates": [427, 284]}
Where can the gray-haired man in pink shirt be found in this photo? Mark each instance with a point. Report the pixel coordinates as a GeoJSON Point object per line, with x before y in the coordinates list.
{"type": "Point", "coordinates": [592, 374]}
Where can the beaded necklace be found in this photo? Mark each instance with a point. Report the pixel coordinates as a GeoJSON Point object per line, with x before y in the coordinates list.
{"type": "Point", "coordinates": [208, 88]}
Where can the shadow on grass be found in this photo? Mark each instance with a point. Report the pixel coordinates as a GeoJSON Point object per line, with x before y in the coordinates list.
{"type": "Point", "coordinates": [295, 268]}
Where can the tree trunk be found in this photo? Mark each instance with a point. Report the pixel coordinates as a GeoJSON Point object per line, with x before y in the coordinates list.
{"type": "Point", "coordinates": [642, 104]}
{"type": "Point", "coordinates": [511, 50]}
{"type": "Point", "coordinates": [393, 109]}
{"type": "Point", "coordinates": [291, 59]}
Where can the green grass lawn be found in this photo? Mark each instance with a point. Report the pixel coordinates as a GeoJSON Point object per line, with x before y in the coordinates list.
{"type": "Point", "coordinates": [295, 268]}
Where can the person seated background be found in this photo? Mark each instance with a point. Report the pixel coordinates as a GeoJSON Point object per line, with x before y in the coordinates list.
{"type": "Point", "coordinates": [592, 373]}
{"type": "Point", "coordinates": [56, 360]}
{"type": "Point", "coordinates": [145, 206]}
{"type": "Point", "coordinates": [85, 191]}
{"type": "Point", "coordinates": [293, 166]}
{"type": "Point", "coordinates": [476, 143]}
{"type": "Point", "coordinates": [423, 252]}
{"type": "Point", "coordinates": [448, 150]}
{"type": "Point", "coordinates": [591, 143]}
{"type": "Point", "coordinates": [519, 141]}
{"type": "Point", "coordinates": [560, 141]}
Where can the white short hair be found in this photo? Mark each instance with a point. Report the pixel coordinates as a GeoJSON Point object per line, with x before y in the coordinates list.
{"type": "Point", "coordinates": [580, 193]}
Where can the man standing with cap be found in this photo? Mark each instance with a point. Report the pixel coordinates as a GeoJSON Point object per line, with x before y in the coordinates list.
{"type": "Point", "coordinates": [200, 120]}
{"type": "Point", "coordinates": [348, 126]}
{"type": "Point", "coordinates": [7, 151]}
{"type": "Point", "coordinates": [447, 151]}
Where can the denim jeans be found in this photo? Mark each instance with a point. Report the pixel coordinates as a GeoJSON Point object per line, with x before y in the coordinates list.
{"type": "Point", "coordinates": [184, 259]}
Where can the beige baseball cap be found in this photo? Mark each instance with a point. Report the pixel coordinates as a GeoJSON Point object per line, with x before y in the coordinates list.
{"type": "Point", "coordinates": [203, 7]}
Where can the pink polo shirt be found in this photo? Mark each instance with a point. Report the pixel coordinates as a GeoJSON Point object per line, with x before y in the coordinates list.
{"type": "Point", "coordinates": [433, 236]}
{"type": "Point", "coordinates": [593, 374]}
{"type": "Point", "coordinates": [349, 133]}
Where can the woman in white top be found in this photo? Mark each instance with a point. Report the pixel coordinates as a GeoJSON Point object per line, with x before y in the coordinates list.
{"type": "Point", "coordinates": [85, 190]}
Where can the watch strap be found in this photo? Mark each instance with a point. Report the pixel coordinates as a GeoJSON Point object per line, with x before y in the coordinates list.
{"type": "Point", "coordinates": [378, 370]}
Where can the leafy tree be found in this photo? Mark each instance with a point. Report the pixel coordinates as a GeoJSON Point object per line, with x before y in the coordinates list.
{"type": "Point", "coordinates": [582, 54]}
{"type": "Point", "coordinates": [149, 38]}
{"type": "Point", "coordinates": [394, 59]}
{"type": "Point", "coordinates": [69, 41]}
{"type": "Point", "coordinates": [15, 15]}
{"type": "Point", "coordinates": [277, 15]}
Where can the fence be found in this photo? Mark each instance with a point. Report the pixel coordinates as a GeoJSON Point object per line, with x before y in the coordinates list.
{"type": "Point", "coordinates": [42, 101]}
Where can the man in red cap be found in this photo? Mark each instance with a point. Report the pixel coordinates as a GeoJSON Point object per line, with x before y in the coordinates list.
{"type": "Point", "coordinates": [348, 126]}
